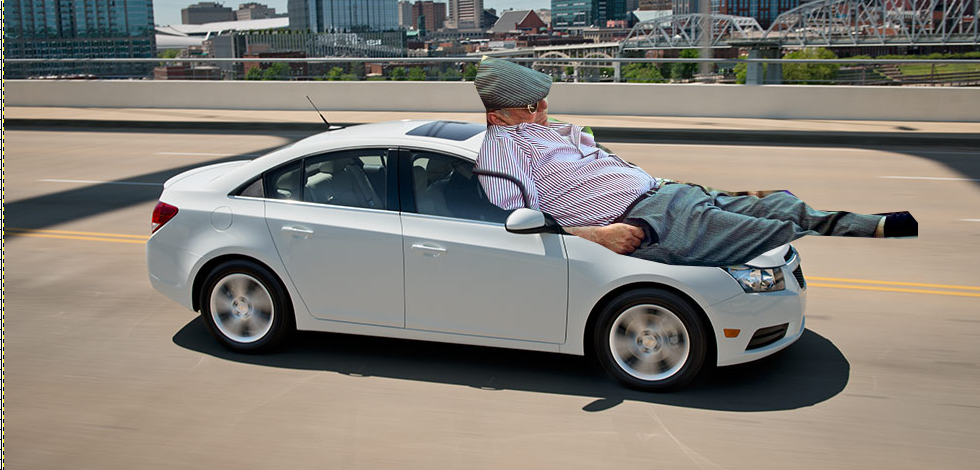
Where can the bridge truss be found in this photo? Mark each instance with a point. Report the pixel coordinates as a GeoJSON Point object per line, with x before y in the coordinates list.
{"type": "Point", "coordinates": [688, 31]}
{"type": "Point", "coordinates": [878, 22]}
{"type": "Point", "coordinates": [829, 23]}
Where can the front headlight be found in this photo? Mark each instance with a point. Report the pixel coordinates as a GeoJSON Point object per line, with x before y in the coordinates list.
{"type": "Point", "coordinates": [758, 279]}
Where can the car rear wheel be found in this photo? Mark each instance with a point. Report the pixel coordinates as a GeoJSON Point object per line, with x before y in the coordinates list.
{"type": "Point", "coordinates": [651, 339]}
{"type": "Point", "coordinates": [245, 307]}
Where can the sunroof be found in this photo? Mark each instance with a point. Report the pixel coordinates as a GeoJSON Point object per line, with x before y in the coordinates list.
{"type": "Point", "coordinates": [451, 130]}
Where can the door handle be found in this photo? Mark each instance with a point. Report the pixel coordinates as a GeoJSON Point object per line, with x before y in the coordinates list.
{"type": "Point", "coordinates": [298, 232]}
{"type": "Point", "coordinates": [429, 250]}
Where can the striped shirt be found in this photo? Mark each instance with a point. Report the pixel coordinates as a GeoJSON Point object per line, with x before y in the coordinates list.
{"type": "Point", "coordinates": [564, 172]}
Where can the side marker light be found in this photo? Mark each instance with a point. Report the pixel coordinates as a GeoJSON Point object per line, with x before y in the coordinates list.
{"type": "Point", "coordinates": [732, 333]}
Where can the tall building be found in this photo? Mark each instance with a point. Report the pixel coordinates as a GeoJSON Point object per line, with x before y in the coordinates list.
{"type": "Point", "coordinates": [206, 12]}
{"type": "Point", "coordinates": [575, 14]}
{"type": "Point", "coordinates": [686, 7]}
{"type": "Point", "coordinates": [659, 5]}
{"type": "Point", "coordinates": [405, 15]}
{"type": "Point", "coordinates": [254, 11]}
{"type": "Point", "coordinates": [435, 14]}
{"type": "Point", "coordinates": [78, 28]}
{"type": "Point", "coordinates": [466, 14]}
{"type": "Point", "coordinates": [343, 15]}
{"type": "Point", "coordinates": [764, 11]}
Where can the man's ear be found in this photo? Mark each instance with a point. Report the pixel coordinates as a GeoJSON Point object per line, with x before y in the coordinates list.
{"type": "Point", "coordinates": [494, 119]}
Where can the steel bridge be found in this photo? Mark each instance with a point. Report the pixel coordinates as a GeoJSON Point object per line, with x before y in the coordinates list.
{"type": "Point", "coordinates": [828, 23]}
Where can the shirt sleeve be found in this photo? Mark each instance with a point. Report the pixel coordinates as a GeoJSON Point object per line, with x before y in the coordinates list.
{"type": "Point", "coordinates": [501, 154]}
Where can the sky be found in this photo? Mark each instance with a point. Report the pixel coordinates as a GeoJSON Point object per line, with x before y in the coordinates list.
{"type": "Point", "coordinates": [166, 12]}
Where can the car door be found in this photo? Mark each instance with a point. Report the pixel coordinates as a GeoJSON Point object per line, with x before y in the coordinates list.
{"type": "Point", "coordinates": [464, 273]}
{"type": "Point", "coordinates": [338, 232]}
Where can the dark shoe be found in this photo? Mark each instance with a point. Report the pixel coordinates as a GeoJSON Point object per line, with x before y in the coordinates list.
{"type": "Point", "coordinates": [900, 224]}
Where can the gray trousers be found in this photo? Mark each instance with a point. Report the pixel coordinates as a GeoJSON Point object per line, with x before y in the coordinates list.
{"type": "Point", "coordinates": [696, 227]}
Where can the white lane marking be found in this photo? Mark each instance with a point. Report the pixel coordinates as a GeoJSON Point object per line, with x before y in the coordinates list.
{"type": "Point", "coordinates": [969, 220]}
{"type": "Point", "coordinates": [100, 182]}
{"type": "Point", "coordinates": [933, 178]}
{"type": "Point", "coordinates": [198, 154]}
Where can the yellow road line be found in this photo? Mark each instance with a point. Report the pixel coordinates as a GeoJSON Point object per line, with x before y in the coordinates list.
{"type": "Point", "coordinates": [72, 237]}
{"type": "Point", "coordinates": [894, 289]}
{"type": "Point", "coordinates": [891, 283]}
{"type": "Point", "coordinates": [21, 231]}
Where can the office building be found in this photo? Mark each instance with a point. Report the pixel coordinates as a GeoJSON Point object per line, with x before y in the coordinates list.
{"type": "Point", "coordinates": [405, 15]}
{"type": "Point", "coordinates": [206, 12]}
{"type": "Point", "coordinates": [657, 5]}
{"type": "Point", "coordinates": [686, 7]}
{"type": "Point", "coordinates": [466, 14]}
{"type": "Point", "coordinates": [343, 15]}
{"type": "Point", "coordinates": [764, 11]}
{"type": "Point", "coordinates": [254, 11]}
{"type": "Point", "coordinates": [78, 28]}
{"type": "Point", "coordinates": [578, 14]}
{"type": "Point", "coordinates": [434, 13]}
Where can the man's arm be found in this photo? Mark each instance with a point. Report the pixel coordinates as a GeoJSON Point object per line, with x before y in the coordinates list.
{"type": "Point", "coordinates": [620, 238]}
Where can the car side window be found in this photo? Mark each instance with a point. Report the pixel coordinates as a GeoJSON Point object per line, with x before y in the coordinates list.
{"type": "Point", "coordinates": [352, 178]}
{"type": "Point", "coordinates": [445, 186]}
{"type": "Point", "coordinates": [284, 183]}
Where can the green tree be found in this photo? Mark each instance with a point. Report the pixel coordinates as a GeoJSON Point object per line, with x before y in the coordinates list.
{"type": "Point", "coordinates": [417, 74]}
{"type": "Point", "coordinates": [277, 71]}
{"type": "Point", "coordinates": [169, 53]}
{"type": "Point", "coordinates": [642, 73]}
{"type": "Point", "coordinates": [469, 72]}
{"type": "Point", "coordinates": [451, 74]}
{"type": "Point", "coordinates": [335, 73]}
{"type": "Point", "coordinates": [254, 73]}
{"type": "Point", "coordinates": [810, 73]}
{"type": "Point", "coordinates": [684, 71]}
{"type": "Point", "coordinates": [397, 74]}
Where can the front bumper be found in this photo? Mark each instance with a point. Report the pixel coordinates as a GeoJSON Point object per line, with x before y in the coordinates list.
{"type": "Point", "coordinates": [750, 313]}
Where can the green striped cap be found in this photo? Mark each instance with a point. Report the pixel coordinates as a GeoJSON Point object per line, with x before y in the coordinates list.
{"type": "Point", "coordinates": [502, 84]}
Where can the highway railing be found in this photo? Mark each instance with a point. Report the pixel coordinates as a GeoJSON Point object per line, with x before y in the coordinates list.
{"type": "Point", "coordinates": [753, 71]}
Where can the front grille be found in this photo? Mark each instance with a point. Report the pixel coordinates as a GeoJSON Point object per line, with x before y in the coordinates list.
{"type": "Point", "coordinates": [789, 254]}
{"type": "Point", "coordinates": [798, 274]}
{"type": "Point", "coordinates": [767, 336]}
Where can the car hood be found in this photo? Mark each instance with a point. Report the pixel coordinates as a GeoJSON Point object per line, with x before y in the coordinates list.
{"type": "Point", "coordinates": [770, 259]}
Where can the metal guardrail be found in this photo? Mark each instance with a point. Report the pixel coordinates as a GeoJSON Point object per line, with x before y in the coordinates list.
{"type": "Point", "coordinates": [726, 70]}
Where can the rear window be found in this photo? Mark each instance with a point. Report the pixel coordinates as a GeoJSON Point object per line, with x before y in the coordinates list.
{"type": "Point", "coordinates": [450, 130]}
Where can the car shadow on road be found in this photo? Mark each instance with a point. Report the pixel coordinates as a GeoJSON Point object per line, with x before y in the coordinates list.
{"type": "Point", "coordinates": [809, 372]}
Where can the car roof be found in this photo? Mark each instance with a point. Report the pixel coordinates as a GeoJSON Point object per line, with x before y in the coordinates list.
{"type": "Point", "coordinates": [414, 133]}
{"type": "Point", "coordinates": [456, 137]}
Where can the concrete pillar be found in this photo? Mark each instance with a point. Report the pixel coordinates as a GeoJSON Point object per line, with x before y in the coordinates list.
{"type": "Point", "coordinates": [617, 72]}
{"type": "Point", "coordinates": [753, 73]}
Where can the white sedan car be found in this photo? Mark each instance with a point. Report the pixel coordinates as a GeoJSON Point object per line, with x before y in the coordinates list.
{"type": "Point", "coordinates": [383, 230]}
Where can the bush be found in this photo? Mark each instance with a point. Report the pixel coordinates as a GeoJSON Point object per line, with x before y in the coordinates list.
{"type": "Point", "coordinates": [276, 71]}
{"type": "Point", "coordinates": [417, 74]}
{"type": "Point", "coordinates": [680, 71]}
{"type": "Point", "coordinates": [469, 72]}
{"type": "Point", "coordinates": [397, 74]}
{"type": "Point", "coordinates": [642, 73]}
{"type": "Point", "coordinates": [810, 73]}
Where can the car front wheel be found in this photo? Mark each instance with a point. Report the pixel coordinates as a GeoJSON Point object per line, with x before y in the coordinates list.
{"type": "Point", "coordinates": [651, 339]}
{"type": "Point", "coordinates": [245, 307]}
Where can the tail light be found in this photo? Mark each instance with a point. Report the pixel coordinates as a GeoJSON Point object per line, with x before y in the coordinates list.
{"type": "Point", "coordinates": [162, 214]}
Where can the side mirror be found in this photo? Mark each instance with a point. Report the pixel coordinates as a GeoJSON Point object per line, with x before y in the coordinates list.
{"type": "Point", "coordinates": [531, 221]}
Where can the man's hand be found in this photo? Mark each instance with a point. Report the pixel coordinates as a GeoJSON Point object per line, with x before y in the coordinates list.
{"type": "Point", "coordinates": [620, 238]}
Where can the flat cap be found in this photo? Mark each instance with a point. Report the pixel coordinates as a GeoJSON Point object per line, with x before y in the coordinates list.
{"type": "Point", "coordinates": [502, 84]}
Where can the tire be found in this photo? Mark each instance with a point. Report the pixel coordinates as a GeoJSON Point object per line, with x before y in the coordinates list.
{"type": "Point", "coordinates": [651, 339]}
{"type": "Point", "coordinates": [245, 307]}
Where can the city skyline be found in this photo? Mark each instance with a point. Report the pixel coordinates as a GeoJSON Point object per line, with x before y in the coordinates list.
{"type": "Point", "coordinates": [167, 12]}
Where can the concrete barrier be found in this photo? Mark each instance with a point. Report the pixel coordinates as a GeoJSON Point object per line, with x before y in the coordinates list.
{"type": "Point", "coordinates": [631, 99]}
